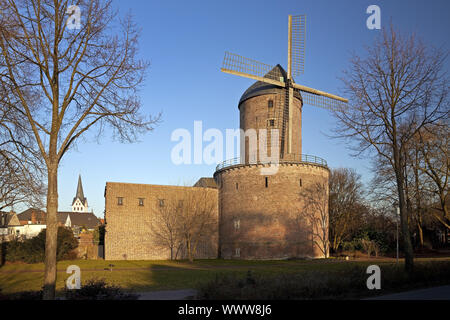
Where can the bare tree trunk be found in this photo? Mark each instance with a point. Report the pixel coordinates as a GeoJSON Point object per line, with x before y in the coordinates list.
{"type": "Point", "coordinates": [51, 234]}
{"type": "Point", "coordinates": [420, 229]}
{"type": "Point", "coordinates": [189, 250]}
{"type": "Point", "coordinates": [407, 246]}
{"type": "Point", "coordinates": [418, 196]}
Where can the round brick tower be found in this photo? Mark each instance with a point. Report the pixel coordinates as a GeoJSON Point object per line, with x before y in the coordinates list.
{"type": "Point", "coordinates": [266, 214]}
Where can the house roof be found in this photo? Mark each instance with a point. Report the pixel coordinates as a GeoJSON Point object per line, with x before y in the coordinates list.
{"type": "Point", "coordinates": [261, 88]}
{"type": "Point", "coordinates": [27, 214]}
{"type": "Point", "coordinates": [206, 183]}
{"type": "Point", "coordinates": [11, 219]}
{"type": "Point", "coordinates": [81, 219]}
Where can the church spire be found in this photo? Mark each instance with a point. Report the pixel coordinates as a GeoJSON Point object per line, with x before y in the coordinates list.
{"type": "Point", "coordinates": [79, 203]}
{"type": "Point", "coordinates": [80, 194]}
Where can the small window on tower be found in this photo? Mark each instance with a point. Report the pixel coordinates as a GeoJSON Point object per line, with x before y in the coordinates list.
{"type": "Point", "coordinates": [267, 182]}
{"type": "Point", "coordinates": [141, 202]}
{"type": "Point", "coordinates": [120, 201]}
{"type": "Point", "coordinates": [271, 122]}
{"type": "Point", "coordinates": [270, 104]}
{"type": "Point", "coordinates": [161, 203]}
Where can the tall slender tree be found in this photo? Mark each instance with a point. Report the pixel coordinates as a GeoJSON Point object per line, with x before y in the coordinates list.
{"type": "Point", "coordinates": [73, 70]}
{"type": "Point", "coordinates": [396, 89]}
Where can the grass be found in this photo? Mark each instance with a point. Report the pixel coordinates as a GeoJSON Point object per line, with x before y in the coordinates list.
{"type": "Point", "coordinates": [141, 276]}
{"type": "Point", "coordinates": [338, 283]}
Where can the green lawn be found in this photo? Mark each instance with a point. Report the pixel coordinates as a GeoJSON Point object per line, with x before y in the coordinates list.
{"type": "Point", "coordinates": [161, 275]}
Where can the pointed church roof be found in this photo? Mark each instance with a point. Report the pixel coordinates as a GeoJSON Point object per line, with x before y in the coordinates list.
{"type": "Point", "coordinates": [80, 193]}
{"type": "Point", "coordinates": [261, 88]}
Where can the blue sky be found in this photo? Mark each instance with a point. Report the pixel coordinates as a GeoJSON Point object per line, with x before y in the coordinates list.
{"type": "Point", "coordinates": [185, 42]}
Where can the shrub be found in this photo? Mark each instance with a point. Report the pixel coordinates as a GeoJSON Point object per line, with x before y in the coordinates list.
{"type": "Point", "coordinates": [98, 290]}
{"type": "Point", "coordinates": [33, 250]}
{"type": "Point", "coordinates": [27, 295]}
{"type": "Point", "coordinates": [2, 297]}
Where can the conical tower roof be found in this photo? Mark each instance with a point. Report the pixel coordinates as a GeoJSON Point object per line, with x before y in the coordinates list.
{"type": "Point", "coordinates": [261, 88]}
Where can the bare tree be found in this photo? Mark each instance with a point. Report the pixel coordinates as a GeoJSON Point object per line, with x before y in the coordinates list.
{"type": "Point", "coordinates": [21, 170]}
{"type": "Point", "coordinates": [165, 226]}
{"type": "Point", "coordinates": [198, 218]}
{"type": "Point", "coordinates": [18, 184]}
{"type": "Point", "coordinates": [397, 89]}
{"type": "Point", "coordinates": [315, 214]}
{"type": "Point", "coordinates": [433, 146]}
{"type": "Point", "coordinates": [70, 81]}
{"type": "Point", "coordinates": [345, 204]}
{"type": "Point", "coordinates": [185, 220]}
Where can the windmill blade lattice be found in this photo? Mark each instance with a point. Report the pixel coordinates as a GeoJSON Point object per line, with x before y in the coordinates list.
{"type": "Point", "coordinates": [237, 63]}
{"type": "Point", "coordinates": [322, 102]}
{"type": "Point", "coordinates": [298, 34]}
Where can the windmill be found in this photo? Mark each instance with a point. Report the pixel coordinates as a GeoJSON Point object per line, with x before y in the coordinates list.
{"type": "Point", "coordinates": [249, 68]}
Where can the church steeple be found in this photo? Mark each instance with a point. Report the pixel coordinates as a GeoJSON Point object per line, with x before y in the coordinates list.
{"type": "Point", "coordinates": [80, 194]}
{"type": "Point", "coordinates": [79, 203]}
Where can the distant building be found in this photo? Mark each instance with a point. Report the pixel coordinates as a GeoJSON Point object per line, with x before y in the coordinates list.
{"type": "Point", "coordinates": [78, 221]}
{"type": "Point", "coordinates": [79, 203]}
{"type": "Point", "coordinates": [9, 225]}
{"type": "Point", "coordinates": [74, 220]}
{"type": "Point", "coordinates": [32, 221]}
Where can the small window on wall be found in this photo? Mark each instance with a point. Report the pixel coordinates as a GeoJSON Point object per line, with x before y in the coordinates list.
{"type": "Point", "coordinates": [161, 203]}
{"type": "Point", "coordinates": [300, 182]}
{"type": "Point", "coordinates": [267, 182]}
{"type": "Point", "coordinates": [237, 224]}
{"type": "Point", "coordinates": [141, 202]}
{"type": "Point", "coordinates": [237, 186]}
{"type": "Point", "coordinates": [271, 122]}
{"type": "Point", "coordinates": [270, 104]}
{"type": "Point", "coordinates": [180, 203]}
{"type": "Point", "coordinates": [120, 201]}
{"type": "Point", "coordinates": [238, 252]}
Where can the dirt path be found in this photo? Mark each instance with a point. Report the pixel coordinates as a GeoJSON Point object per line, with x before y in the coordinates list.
{"type": "Point", "coordinates": [436, 293]}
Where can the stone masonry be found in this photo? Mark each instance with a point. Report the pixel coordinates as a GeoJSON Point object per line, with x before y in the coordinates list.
{"type": "Point", "coordinates": [129, 209]}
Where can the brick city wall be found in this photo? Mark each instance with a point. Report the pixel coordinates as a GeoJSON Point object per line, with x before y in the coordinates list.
{"type": "Point", "coordinates": [129, 227]}
{"type": "Point", "coordinates": [259, 222]}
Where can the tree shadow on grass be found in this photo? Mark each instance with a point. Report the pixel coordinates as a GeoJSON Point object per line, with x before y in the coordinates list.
{"type": "Point", "coordinates": [180, 276]}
